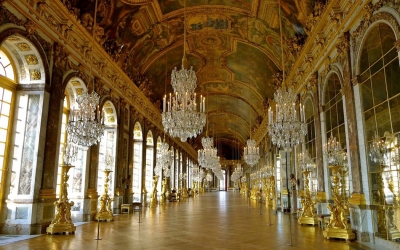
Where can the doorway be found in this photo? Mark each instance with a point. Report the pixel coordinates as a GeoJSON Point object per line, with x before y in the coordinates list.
{"type": "Point", "coordinates": [222, 183]}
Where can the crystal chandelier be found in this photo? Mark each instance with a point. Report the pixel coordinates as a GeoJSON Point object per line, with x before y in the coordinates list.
{"type": "Point", "coordinates": [209, 177]}
{"type": "Point", "coordinates": [164, 160]}
{"type": "Point", "coordinates": [334, 152]}
{"type": "Point", "coordinates": [181, 117]}
{"type": "Point", "coordinates": [85, 125]}
{"type": "Point", "coordinates": [208, 155]}
{"type": "Point", "coordinates": [305, 161]}
{"type": "Point", "coordinates": [251, 153]}
{"type": "Point", "coordinates": [289, 127]}
{"type": "Point", "coordinates": [378, 150]}
{"type": "Point", "coordinates": [237, 173]}
{"type": "Point", "coordinates": [69, 153]}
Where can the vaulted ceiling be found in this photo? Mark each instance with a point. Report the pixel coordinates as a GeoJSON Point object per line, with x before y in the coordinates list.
{"type": "Point", "coordinates": [233, 45]}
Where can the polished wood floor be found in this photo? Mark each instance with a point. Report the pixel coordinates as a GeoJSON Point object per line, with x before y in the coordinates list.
{"type": "Point", "coordinates": [218, 220]}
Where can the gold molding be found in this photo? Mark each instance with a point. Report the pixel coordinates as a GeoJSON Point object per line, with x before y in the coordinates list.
{"type": "Point", "coordinates": [357, 199]}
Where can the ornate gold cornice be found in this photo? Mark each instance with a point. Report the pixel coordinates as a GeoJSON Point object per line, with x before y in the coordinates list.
{"type": "Point", "coordinates": [54, 21]}
{"type": "Point", "coordinates": [338, 16]}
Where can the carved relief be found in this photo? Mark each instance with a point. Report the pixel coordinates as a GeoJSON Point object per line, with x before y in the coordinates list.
{"type": "Point", "coordinates": [145, 85]}
{"type": "Point", "coordinates": [21, 46]}
{"type": "Point", "coordinates": [35, 74]}
{"type": "Point", "coordinates": [61, 58]}
{"type": "Point", "coordinates": [277, 79]}
{"type": "Point", "coordinates": [31, 59]}
{"type": "Point", "coordinates": [314, 17]}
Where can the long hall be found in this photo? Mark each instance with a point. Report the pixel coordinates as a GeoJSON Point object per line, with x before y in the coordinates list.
{"type": "Point", "coordinates": [214, 220]}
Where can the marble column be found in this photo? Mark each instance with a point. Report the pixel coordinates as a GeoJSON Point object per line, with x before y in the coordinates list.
{"type": "Point", "coordinates": [343, 47]}
{"type": "Point", "coordinates": [321, 195]}
{"type": "Point", "coordinates": [47, 192]}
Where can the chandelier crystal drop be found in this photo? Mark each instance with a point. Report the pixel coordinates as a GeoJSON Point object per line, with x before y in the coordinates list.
{"type": "Point", "coordinates": [288, 128]}
{"type": "Point", "coordinates": [251, 153]}
{"type": "Point", "coordinates": [85, 125]}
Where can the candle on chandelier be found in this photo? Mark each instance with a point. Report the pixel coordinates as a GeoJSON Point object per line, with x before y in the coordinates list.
{"type": "Point", "coordinates": [204, 104]}
{"type": "Point", "coordinates": [170, 101]}
{"type": "Point", "coordinates": [201, 97]}
{"type": "Point", "coordinates": [164, 101]}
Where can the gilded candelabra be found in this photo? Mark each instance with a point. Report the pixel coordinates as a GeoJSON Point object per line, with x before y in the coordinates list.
{"type": "Point", "coordinates": [338, 226]}
{"type": "Point", "coordinates": [105, 213]}
{"type": "Point", "coordinates": [244, 187]}
{"type": "Point", "coordinates": [62, 222]}
{"type": "Point", "coordinates": [153, 195]}
{"type": "Point", "coordinates": [308, 215]}
{"type": "Point", "coordinates": [273, 191]}
{"type": "Point", "coordinates": [380, 152]}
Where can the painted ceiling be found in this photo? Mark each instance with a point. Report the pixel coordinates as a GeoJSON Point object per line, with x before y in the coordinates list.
{"type": "Point", "coordinates": [233, 45]}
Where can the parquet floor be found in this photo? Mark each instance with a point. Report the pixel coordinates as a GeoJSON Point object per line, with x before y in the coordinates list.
{"type": "Point", "coordinates": [218, 220]}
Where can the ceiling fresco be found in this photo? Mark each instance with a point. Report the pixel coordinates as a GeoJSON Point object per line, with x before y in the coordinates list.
{"type": "Point", "coordinates": [233, 45]}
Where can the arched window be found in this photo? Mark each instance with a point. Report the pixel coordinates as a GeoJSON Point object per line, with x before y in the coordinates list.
{"type": "Point", "coordinates": [334, 115]}
{"type": "Point", "coordinates": [137, 162]}
{"type": "Point", "coordinates": [149, 163]}
{"type": "Point", "coordinates": [310, 138]}
{"type": "Point", "coordinates": [107, 149]}
{"type": "Point", "coordinates": [77, 174]}
{"type": "Point", "coordinates": [380, 97]}
{"type": "Point", "coordinates": [6, 67]}
{"type": "Point", "coordinates": [7, 93]}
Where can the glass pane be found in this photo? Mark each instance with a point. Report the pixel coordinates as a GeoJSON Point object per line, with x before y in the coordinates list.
{"type": "Point", "coordinates": [7, 96]}
{"type": "Point", "coordinates": [366, 95]}
{"type": "Point", "coordinates": [392, 78]}
{"type": "Point", "coordinates": [4, 122]}
{"type": "Point", "coordinates": [342, 136]}
{"type": "Point", "coordinates": [374, 49]}
{"type": "Point", "coordinates": [364, 62]}
{"type": "Point", "coordinates": [5, 109]}
{"type": "Point", "coordinates": [2, 148]}
{"type": "Point", "coordinates": [334, 115]}
{"type": "Point", "coordinates": [9, 72]}
{"type": "Point", "coordinates": [328, 123]}
{"type": "Point", "coordinates": [395, 113]}
{"type": "Point", "coordinates": [387, 38]}
{"type": "Point", "coordinates": [3, 135]}
{"type": "Point", "coordinates": [382, 115]}
{"type": "Point", "coordinates": [370, 125]}
{"type": "Point", "coordinates": [340, 113]}
{"type": "Point", "coordinates": [379, 87]}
